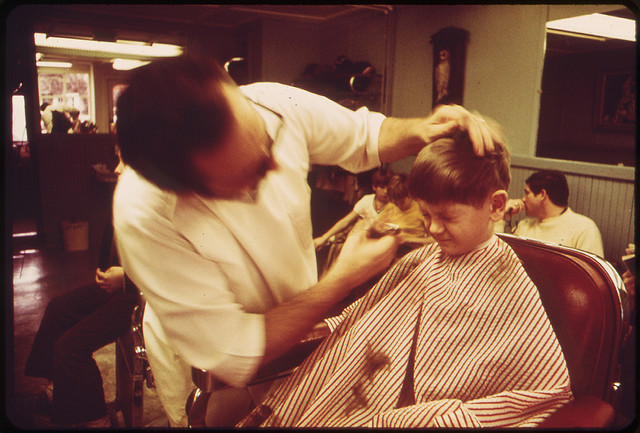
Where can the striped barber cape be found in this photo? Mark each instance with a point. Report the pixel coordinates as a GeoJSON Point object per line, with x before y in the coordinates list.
{"type": "Point", "coordinates": [440, 341]}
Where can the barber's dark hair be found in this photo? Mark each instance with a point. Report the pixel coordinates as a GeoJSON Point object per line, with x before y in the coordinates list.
{"type": "Point", "coordinates": [381, 177]}
{"type": "Point", "coordinates": [171, 108]}
{"type": "Point", "coordinates": [448, 170]}
{"type": "Point", "coordinates": [554, 182]}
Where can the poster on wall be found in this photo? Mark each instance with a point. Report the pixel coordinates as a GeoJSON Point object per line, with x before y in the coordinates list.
{"type": "Point", "coordinates": [449, 53]}
{"type": "Point", "coordinates": [616, 102]}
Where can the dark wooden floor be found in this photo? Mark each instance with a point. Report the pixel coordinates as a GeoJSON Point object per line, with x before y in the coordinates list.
{"type": "Point", "coordinates": [38, 276]}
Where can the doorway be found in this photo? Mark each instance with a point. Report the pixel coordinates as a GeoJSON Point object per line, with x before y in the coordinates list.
{"type": "Point", "coordinates": [22, 191]}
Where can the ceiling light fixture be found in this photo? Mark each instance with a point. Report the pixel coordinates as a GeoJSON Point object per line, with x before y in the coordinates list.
{"type": "Point", "coordinates": [606, 26]}
{"type": "Point", "coordinates": [45, 64]}
{"type": "Point", "coordinates": [126, 64]}
{"type": "Point", "coordinates": [153, 50]}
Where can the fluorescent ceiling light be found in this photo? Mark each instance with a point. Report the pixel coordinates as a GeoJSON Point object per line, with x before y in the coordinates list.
{"type": "Point", "coordinates": [126, 64]}
{"type": "Point", "coordinates": [597, 25]}
{"type": "Point", "coordinates": [113, 48]}
{"type": "Point", "coordinates": [44, 64]}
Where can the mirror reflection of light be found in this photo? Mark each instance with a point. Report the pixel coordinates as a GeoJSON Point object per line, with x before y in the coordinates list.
{"type": "Point", "coordinates": [47, 64]}
{"type": "Point", "coordinates": [597, 25]}
{"type": "Point", "coordinates": [25, 235]}
{"type": "Point", "coordinates": [126, 64]}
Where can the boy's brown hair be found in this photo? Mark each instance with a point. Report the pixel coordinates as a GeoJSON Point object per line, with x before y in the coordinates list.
{"type": "Point", "coordinates": [449, 171]}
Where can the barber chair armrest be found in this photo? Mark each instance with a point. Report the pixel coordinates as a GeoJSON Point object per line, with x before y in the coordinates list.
{"type": "Point", "coordinates": [294, 356]}
{"type": "Point", "coordinates": [278, 367]}
{"type": "Point", "coordinates": [583, 412]}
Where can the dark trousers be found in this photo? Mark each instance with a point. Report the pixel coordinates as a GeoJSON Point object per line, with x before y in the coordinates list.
{"type": "Point", "coordinates": [75, 325]}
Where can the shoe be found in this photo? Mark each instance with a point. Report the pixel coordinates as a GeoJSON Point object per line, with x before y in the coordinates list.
{"type": "Point", "coordinates": [35, 404]}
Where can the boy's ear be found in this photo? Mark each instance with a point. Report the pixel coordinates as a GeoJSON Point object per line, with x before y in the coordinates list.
{"type": "Point", "coordinates": [498, 204]}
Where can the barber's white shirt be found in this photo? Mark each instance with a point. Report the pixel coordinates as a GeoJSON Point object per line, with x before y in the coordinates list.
{"type": "Point", "coordinates": [210, 268]}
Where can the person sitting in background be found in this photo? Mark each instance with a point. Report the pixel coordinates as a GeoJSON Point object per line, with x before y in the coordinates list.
{"type": "Point", "coordinates": [76, 324]}
{"type": "Point", "coordinates": [59, 118]}
{"type": "Point", "coordinates": [549, 217]}
{"type": "Point", "coordinates": [405, 213]}
{"type": "Point", "coordinates": [365, 210]}
{"type": "Point", "coordinates": [454, 335]}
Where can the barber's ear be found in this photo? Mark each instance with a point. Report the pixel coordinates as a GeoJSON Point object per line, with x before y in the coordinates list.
{"type": "Point", "coordinates": [498, 204]}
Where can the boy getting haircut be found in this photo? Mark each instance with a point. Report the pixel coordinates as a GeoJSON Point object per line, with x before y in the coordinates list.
{"type": "Point", "coordinates": [453, 335]}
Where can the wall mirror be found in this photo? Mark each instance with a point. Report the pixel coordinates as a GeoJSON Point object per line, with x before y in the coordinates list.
{"type": "Point", "coordinates": [587, 105]}
{"type": "Point", "coordinates": [81, 69]}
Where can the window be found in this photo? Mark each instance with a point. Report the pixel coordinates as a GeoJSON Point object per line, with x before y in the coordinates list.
{"type": "Point", "coordinates": [67, 87]}
{"type": "Point", "coordinates": [19, 122]}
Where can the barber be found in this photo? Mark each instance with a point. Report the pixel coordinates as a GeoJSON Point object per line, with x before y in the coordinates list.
{"type": "Point", "coordinates": [212, 217]}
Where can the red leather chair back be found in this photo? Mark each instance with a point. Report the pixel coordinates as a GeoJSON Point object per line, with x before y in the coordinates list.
{"type": "Point", "coordinates": [585, 300]}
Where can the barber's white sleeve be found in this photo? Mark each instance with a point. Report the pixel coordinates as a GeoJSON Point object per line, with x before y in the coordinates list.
{"type": "Point", "coordinates": [335, 135]}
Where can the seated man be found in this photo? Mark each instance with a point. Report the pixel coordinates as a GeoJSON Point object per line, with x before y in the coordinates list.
{"type": "Point", "coordinates": [549, 217]}
{"type": "Point", "coordinates": [454, 335]}
{"type": "Point", "coordinates": [76, 324]}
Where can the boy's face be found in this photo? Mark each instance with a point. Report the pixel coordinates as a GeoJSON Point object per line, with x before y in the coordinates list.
{"type": "Point", "coordinates": [458, 228]}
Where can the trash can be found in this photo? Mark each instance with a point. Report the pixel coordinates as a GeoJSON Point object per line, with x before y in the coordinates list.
{"type": "Point", "coordinates": [75, 235]}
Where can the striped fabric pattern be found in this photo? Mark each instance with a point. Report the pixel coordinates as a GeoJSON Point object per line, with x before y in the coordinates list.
{"type": "Point", "coordinates": [485, 354]}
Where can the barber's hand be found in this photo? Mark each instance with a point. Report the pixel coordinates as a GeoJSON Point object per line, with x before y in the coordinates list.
{"type": "Point", "coordinates": [110, 280]}
{"type": "Point", "coordinates": [513, 207]}
{"type": "Point", "coordinates": [447, 119]}
{"type": "Point", "coordinates": [362, 258]}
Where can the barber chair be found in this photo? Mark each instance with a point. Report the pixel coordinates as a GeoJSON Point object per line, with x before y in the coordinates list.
{"type": "Point", "coordinates": [586, 302]}
{"type": "Point", "coordinates": [281, 367]}
{"type": "Point", "coordinates": [132, 370]}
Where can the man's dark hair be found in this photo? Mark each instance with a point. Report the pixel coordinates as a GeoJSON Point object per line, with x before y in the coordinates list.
{"type": "Point", "coordinates": [171, 108]}
{"type": "Point", "coordinates": [553, 182]}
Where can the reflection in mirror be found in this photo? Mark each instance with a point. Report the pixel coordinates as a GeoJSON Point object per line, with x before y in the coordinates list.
{"type": "Point", "coordinates": [587, 106]}
{"type": "Point", "coordinates": [79, 79]}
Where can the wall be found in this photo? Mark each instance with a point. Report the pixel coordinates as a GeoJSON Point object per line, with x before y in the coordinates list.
{"type": "Point", "coordinates": [287, 48]}
{"type": "Point", "coordinates": [503, 65]}
{"type": "Point", "coordinates": [69, 188]}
